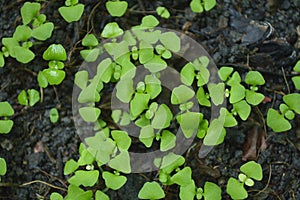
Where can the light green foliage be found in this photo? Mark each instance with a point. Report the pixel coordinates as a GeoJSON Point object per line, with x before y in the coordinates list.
{"type": "Point", "coordinates": [3, 167]}
{"type": "Point", "coordinates": [113, 181]}
{"type": "Point", "coordinates": [72, 12]}
{"type": "Point", "coordinates": [163, 12]}
{"type": "Point", "coordinates": [111, 30]}
{"type": "Point", "coordinates": [56, 196]}
{"type": "Point", "coordinates": [89, 114]}
{"type": "Point", "coordinates": [85, 178]}
{"type": "Point", "coordinates": [198, 6]}
{"type": "Point", "coordinates": [54, 115]}
{"type": "Point", "coordinates": [116, 8]}
{"type": "Point", "coordinates": [92, 53]}
{"type": "Point", "coordinates": [6, 111]}
{"type": "Point", "coordinates": [29, 98]}
{"type": "Point", "coordinates": [296, 79]}
{"type": "Point", "coordinates": [151, 190]}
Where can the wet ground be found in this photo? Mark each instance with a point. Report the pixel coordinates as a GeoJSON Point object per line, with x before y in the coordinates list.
{"type": "Point", "coordinates": [36, 149]}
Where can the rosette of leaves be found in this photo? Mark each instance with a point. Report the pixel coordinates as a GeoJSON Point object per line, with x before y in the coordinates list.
{"type": "Point", "coordinates": [55, 74]}
{"type": "Point", "coordinates": [279, 121]}
{"type": "Point", "coordinates": [211, 191]}
{"type": "Point", "coordinates": [236, 187]}
{"type": "Point", "coordinates": [92, 53]}
{"type": "Point", "coordinates": [29, 97]}
{"type": "Point", "coordinates": [5, 112]}
{"type": "Point", "coordinates": [198, 6]}
{"type": "Point", "coordinates": [116, 8]}
{"type": "Point", "coordinates": [72, 11]}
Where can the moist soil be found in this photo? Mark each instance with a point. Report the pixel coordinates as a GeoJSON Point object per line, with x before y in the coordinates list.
{"type": "Point", "coordinates": [36, 150]}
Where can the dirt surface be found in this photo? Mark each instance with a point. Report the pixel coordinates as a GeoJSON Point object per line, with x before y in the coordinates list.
{"type": "Point", "coordinates": [36, 149]}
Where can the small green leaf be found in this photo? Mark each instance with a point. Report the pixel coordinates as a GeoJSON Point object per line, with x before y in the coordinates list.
{"type": "Point", "coordinates": [29, 11]}
{"type": "Point", "coordinates": [3, 167]}
{"type": "Point", "coordinates": [156, 64]}
{"type": "Point", "coordinates": [249, 182]}
{"type": "Point", "coordinates": [22, 33]}
{"type": "Point", "coordinates": [149, 21]}
{"type": "Point", "coordinates": [54, 115]}
{"type": "Point", "coordinates": [170, 162]}
{"type": "Point", "coordinates": [43, 32]}
{"type": "Point", "coordinates": [151, 190]}
{"type": "Point", "coordinates": [70, 167]}
{"type": "Point", "coordinates": [254, 98]}
{"type": "Point", "coordinates": [181, 94]}
{"type": "Point", "coordinates": [202, 97]}
{"type": "Point", "coordinates": [252, 170]}
{"type": "Point", "coordinates": [56, 196]}
{"type": "Point", "coordinates": [215, 133]}
{"type": "Point", "coordinates": [209, 4]}
{"type": "Point", "coordinates": [235, 79]}
{"type": "Point", "coordinates": [163, 12]}
{"type": "Point", "coordinates": [147, 135]}
{"type": "Point", "coordinates": [6, 109]}
{"type": "Point", "coordinates": [85, 178]}
{"type": "Point", "coordinates": [116, 8]}
{"type": "Point", "coordinates": [139, 103]}
{"type": "Point", "coordinates": [196, 6]}
{"type": "Point", "coordinates": [183, 177]}
{"type": "Point", "coordinates": [42, 80]}
{"type": "Point", "coordinates": [216, 92]}
{"type": "Point", "coordinates": [75, 192]}
{"type": "Point", "coordinates": [168, 140]}
{"type": "Point", "coordinates": [277, 121]}
{"type": "Point", "coordinates": [188, 74]}
{"type": "Point", "coordinates": [254, 78]}
{"type": "Point", "coordinates": [153, 86]}
{"type": "Point", "coordinates": [125, 90]}
{"type": "Point", "coordinates": [55, 52]}
{"type": "Point", "coordinates": [6, 126]}
{"type": "Point", "coordinates": [101, 195]}
{"type": "Point", "coordinates": [171, 41]}
{"type": "Point", "coordinates": [10, 44]}
{"type": "Point", "coordinates": [236, 189]}
{"type": "Point", "coordinates": [162, 117]}
{"type": "Point", "coordinates": [146, 52]}
{"type": "Point", "coordinates": [105, 70]}
{"type": "Point", "coordinates": [90, 40]}
{"type": "Point", "coordinates": [111, 30]}
{"type": "Point", "coordinates": [23, 55]}
{"type": "Point", "coordinates": [71, 14]}
{"type": "Point", "coordinates": [89, 114]}
{"type": "Point", "coordinates": [81, 79]}
{"type": "Point", "coordinates": [189, 122]}
{"type": "Point", "coordinates": [292, 100]}
{"type": "Point", "coordinates": [297, 67]}
{"type": "Point", "coordinates": [243, 109]}
{"type": "Point", "coordinates": [296, 81]}
{"type": "Point", "coordinates": [113, 181]}
{"type": "Point", "coordinates": [225, 72]}
{"type": "Point", "coordinates": [2, 61]}
{"type": "Point", "coordinates": [290, 115]}
{"type": "Point", "coordinates": [212, 191]}
{"type": "Point", "coordinates": [22, 98]}
{"type": "Point", "coordinates": [230, 121]}
{"type": "Point", "coordinates": [121, 162]}
{"type": "Point", "coordinates": [33, 96]}
{"type": "Point", "coordinates": [54, 76]}
{"type": "Point", "coordinates": [237, 93]}
{"type": "Point", "coordinates": [122, 139]}
{"type": "Point", "coordinates": [188, 191]}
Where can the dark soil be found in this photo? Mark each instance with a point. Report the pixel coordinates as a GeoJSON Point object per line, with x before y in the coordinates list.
{"type": "Point", "coordinates": [36, 150]}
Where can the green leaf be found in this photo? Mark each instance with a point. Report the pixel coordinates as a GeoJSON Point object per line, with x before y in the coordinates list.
{"type": "Point", "coordinates": [297, 67]}
{"type": "Point", "coordinates": [29, 11]}
{"type": "Point", "coordinates": [230, 121]}
{"type": "Point", "coordinates": [81, 79]}
{"type": "Point", "coordinates": [22, 33]}
{"type": "Point", "coordinates": [90, 55]}
{"type": "Point", "coordinates": [55, 52]}
{"type": "Point", "coordinates": [90, 93]}
{"type": "Point", "coordinates": [74, 192]}
{"type": "Point", "coordinates": [43, 32]}
{"type": "Point", "coordinates": [168, 140]}
{"type": "Point", "coordinates": [202, 98]}
{"type": "Point", "coordinates": [254, 78]}
{"type": "Point", "coordinates": [171, 161]}
{"type": "Point", "coordinates": [22, 98]}
{"type": "Point", "coordinates": [42, 80]}
{"type": "Point", "coordinates": [215, 133]}
{"type": "Point", "coordinates": [162, 117]}
{"type": "Point", "coordinates": [183, 177]}
{"type": "Point", "coordinates": [70, 167]}
{"type": "Point", "coordinates": [145, 52]}
{"type": "Point", "coordinates": [212, 191]}
{"type": "Point", "coordinates": [296, 81]}
{"type": "Point", "coordinates": [56, 196]}
{"type": "Point", "coordinates": [181, 94]}
{"type": "Point", "coordinates": [139, 103]}
{"type": "Point", "coordinates": [237, 93]}
{"type": "Point", "coordinates": [2, 61]}
{"type": "Point", "coordinates": [33, 96]}
{"type": "Point", "coordinates": [236, 189]}
{"type": "Point", "coordinates": [249, 182]}
{"type": "Point", "coordinates": [54, 76]}
{"type": "Point", "coordinates": [90, 41]}
{"type": "Point", "coordinates": [202, 76]}
{"type": "Point", "coordinates": [292, 100]}
{"type": "Point", "coordinates": [163, 12]}
{"type": "Point", "coordinates": [3, 167]}
{"type": "Point", "coordinates": [149, 21]}
{"type": "Point", "coordinates": [105, 70]}
{"type": "Point", "coordinates": [121, 162]}
{"type": "Point", "coordinates": [125, 90]}
{"type": "Point", "coordinates": [290, 115]}
{"type": "Point", "coordinates": [116, 8]}
{"type": "Point", "coordinates": [243, 109]}
{"type": "Point", "coordinates": [111, 30]}
{"type": "Point", "coordinates": [101, 195]}
{"type": "Point", "coordinates": [196, 6]}
{"type": "Point", "coordinates": [153, 86]}
{"type": "Point", "coordinates": [147, 135]}
{"type": "Point", "coordinates": [10, 44]}
{"type": "Point", "coordinates": [6, 126]}
{"type": "Point", "coordinates": [209, 4]}
{"type": "Point", "coordinates": [54, 115]}
{"type": "Point", "coordinates": [151, 190]}
{"type": "Point", "coordinates": [170, 41]}
{"type": "Point", "coordinates": [252, 170]}
{"type": "Point", "coordinates": [71, 14]}
{"type": "Point", "coordinates": [6, 109]}
{"type": "Point", "coordinates": [113, 181]}
{"type": "Point", "coordinates": [225, 72]}
{"type": "Point", "coordinates": [277, 121]}
{"type": "Point", "coordinates": [23, 55]}
{"type": "Point", "coordinates": [235, 79]}
{"type": "Point", "coordinates": [188, 191]}
{"type": "Point", "coordinates": [89, 114]}
{"type": "Point", "coordinates": [188, 74]}
{"type": "Point", "coordinates": [189, 122]}
{"type": "Point", "coordinates": [156, 64]}
{"type": "Point", "coordinates": [216, 92]}
{"type": "Point", "coordinates": [254, 98]}
{"type": "Point", "coordinates": [122, 139]}
{"type": "Point", "coordinates": [85, 178]}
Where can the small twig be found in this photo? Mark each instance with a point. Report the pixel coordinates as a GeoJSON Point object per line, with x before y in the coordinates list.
{"type": "Point", "coordinates": [285, 80]}
{"type": "Point", "coordinates": [45, 183]}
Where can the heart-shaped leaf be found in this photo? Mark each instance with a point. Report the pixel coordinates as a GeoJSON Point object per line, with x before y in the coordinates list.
{"type": "Point", "coordinates": [151, 190]}
{"type": "Point", "coordinates": [113, 181]}
{"type": "Point", "coordinates": [72, 13]}
{"type": "Point", "coordinates": [116, 8]}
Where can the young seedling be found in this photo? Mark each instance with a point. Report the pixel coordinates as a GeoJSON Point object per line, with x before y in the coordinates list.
{"type": "Point", "coordinates": [296, 79]}
{"type": "Point", "coordinates": [151, 190]}
{"type": "Point", "coordinates": [92, 53]}
{"type": "Point", "coordinates": [198, 6]}
{"type": "Point", "coordinates": [6, 111]}
{"type": "Point", "coordinates": [210, 192]}
{"type": "Point", "coordinates": [235, 188]}
{"type": "Point", "coordinates": [163, 12]}
{"type": "Point", "coordinates": [72, 11]}
{"type": "Point", "coordinates": [29, 98]}
{"type": "Point", "coordinates": [116, 8]}
{"type": "Point", "coordinates": [54, 115]}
